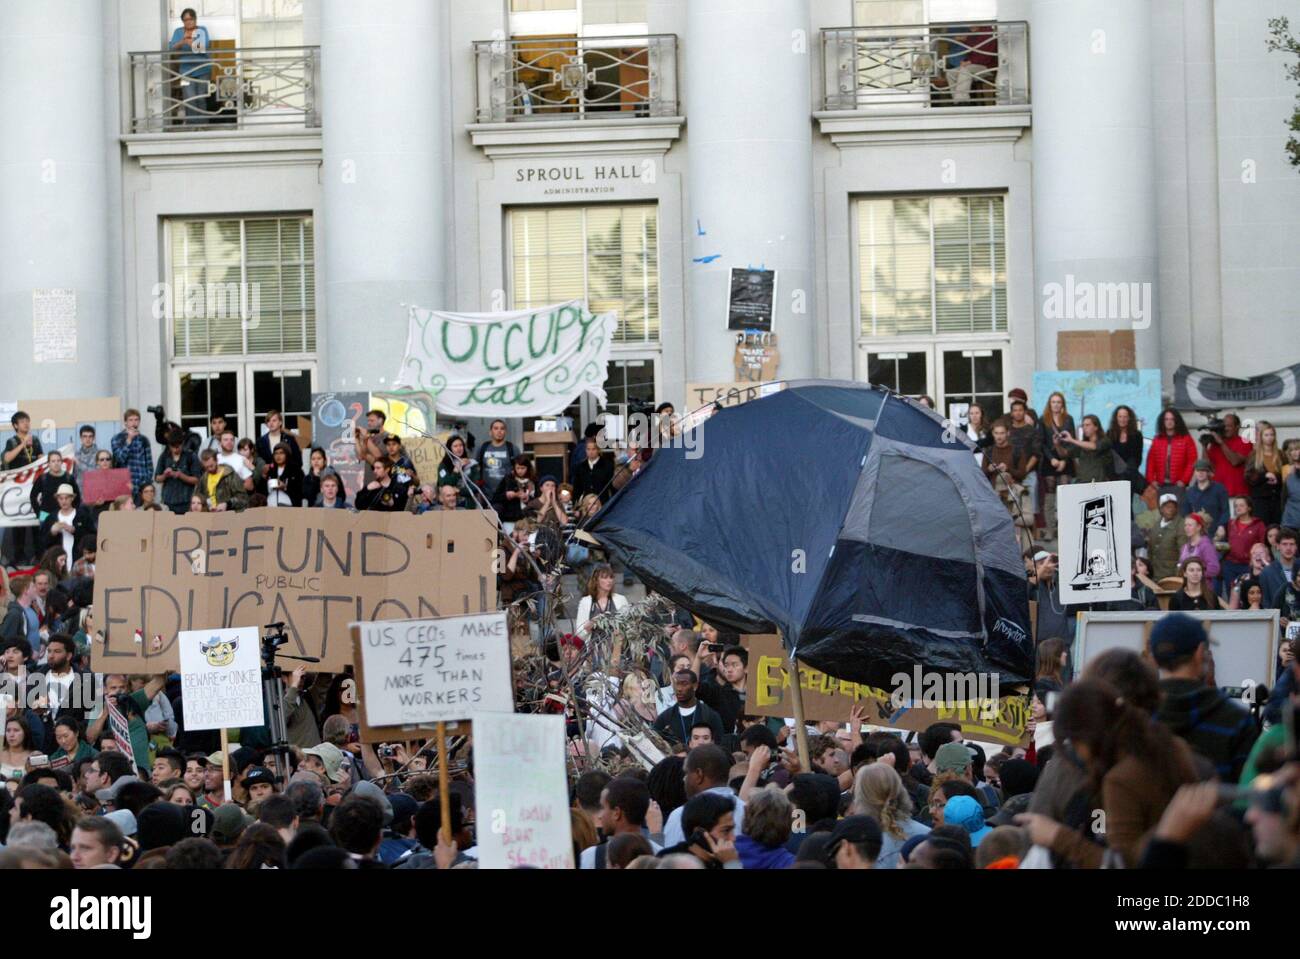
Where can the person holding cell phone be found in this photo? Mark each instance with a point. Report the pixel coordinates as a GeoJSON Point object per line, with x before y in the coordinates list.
{"type": "Point", "coordinates": [190, 62]}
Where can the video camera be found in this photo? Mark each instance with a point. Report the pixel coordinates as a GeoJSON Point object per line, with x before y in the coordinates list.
{"type": "Point", "coordinates": [164, 428]}
{"type": "Point", "coordinates": [1213, 425]}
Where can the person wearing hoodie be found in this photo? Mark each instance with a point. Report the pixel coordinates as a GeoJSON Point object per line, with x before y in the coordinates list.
{"type": "Point", "coordinates": [768, 817]}
{"type": "Point", "coordinates": [1218, 728]}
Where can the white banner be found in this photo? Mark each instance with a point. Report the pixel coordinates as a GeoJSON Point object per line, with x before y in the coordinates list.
{"type": "Point", "coordinates": [525, 363]}
{"type": "Point", "coordinates": [221, 677]}
{"type": "Point", "coordinates": [435, 670]}
{"type": "Point", "coordinates": [521, 792]}
{"type": "Point", "coordinates": [16, 489]}
{"type": "Point", "coordinates": [1093, 529]}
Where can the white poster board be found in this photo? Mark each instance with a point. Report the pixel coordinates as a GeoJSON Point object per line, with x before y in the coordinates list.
{"type": "Point", "coordinates": [521, 792]}
{"type": "Point", "coordinates": [1244, 641]}
{"type": "Point", "coordinates": [54, 326]}
{"type": "Point", "coordinates": [221, 678]}
{"type": "Point", "coordinates": [435, 670]}
{"type": "Point", "coordinates": [1093, 529]}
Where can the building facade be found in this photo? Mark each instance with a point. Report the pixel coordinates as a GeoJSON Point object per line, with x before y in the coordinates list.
{"type": "Point", "coordinates": [927, 179]}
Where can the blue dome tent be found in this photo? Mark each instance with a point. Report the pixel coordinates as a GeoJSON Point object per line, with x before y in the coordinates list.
{"type": "Point", "coordinates": [845, 517]}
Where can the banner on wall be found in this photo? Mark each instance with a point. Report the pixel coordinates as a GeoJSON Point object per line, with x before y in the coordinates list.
{"type": "Point", "coordinates": [1198, 390]}
{"type": "Point", "coordinates": [509, 365]}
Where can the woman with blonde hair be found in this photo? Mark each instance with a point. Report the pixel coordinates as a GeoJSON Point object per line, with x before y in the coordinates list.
{"type": "Point", "coordinates": [1264, 474]}
{"type": "Point", "coordinates": [1056, 467]}
{"type": "Point", "coordinates": [878, 792]}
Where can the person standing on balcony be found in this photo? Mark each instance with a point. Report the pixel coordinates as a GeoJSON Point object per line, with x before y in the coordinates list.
{"type": "Point", "coordinates": [195, 65]}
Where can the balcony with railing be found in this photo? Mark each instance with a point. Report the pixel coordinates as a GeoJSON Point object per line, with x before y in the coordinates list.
{"type": "Point", "coordinates": [258, 89]}
{"type": "Point", "coordinates": [611, 94]}
{"type": "Point", "coordinates": [950, 73]}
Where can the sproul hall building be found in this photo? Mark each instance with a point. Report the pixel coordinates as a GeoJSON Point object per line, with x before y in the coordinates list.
{"type": "Point", "coordinates": [931, 182]}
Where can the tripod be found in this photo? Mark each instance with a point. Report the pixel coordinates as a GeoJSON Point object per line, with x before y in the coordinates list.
{"type": "Point", "coordinates": [273, 694]}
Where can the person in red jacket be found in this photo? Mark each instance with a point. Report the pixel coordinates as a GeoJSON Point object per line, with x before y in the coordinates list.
{"type": "Point", "coordinates": [1173, 453]}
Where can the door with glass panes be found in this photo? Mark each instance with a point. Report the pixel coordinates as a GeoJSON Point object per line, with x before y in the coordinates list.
{"type": "Point", "coordinates": [953, 374]}
{"type": "Point", "coordinates": [243, 393]}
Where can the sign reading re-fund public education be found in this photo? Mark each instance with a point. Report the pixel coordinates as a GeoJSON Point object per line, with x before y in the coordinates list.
{"type": "Point", "coordinates": [317, 571]}
{"type": "Point", "coordinates": [517, 364]}
{"type": "Point", "coordinates": [435, 670]}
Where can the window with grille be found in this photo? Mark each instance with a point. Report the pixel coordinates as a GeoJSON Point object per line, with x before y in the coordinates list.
{"type": "Point", "coordinates": [605, 255]}
{"type": "Point", "coordinates": [242, 286]}
{"type": "Point", "coordinates": [931, 265]}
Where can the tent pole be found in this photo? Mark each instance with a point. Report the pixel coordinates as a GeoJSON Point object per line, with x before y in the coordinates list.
{"type": "Point", "coordinates": [800, 727]}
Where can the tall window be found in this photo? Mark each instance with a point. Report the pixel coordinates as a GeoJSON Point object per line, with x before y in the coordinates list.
{"type": "Point", "coordinates": [606, 255]}
{"type": "Point", "coordinates": [242, 286]}
{"type": "Point", "coordinates": [904, 13]}
{"type": "Point", "coordinates": [931, 265]}
{"type": "Point", "coordinates": [584, 13]}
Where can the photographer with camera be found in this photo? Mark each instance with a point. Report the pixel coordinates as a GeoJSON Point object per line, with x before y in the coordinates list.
{"type": "Point", "coordinates": [177, 474]}
{"type": "Point", "coordinates": [131, 449]}
{"type": "Point", "coordinates": [1225, 448]}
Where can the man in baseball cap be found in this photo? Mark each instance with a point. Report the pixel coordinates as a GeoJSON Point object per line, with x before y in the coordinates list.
{"type": "Point", "coordinates": [855, 843]}
{"type": "Point", "coordinates": [1219, 728]}
{"type": "Point", "coordinates": [1166, 538]}
{"type": "Point", "coordinates": [260, 783]}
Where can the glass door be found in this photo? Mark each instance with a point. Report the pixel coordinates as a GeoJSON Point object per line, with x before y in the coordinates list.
{"type": "Point", "coordinates": [971, 374]}
{"type": "Point", "coordinates": [955, 374]}
{"type": "Point", "coordinates": [243, 394]}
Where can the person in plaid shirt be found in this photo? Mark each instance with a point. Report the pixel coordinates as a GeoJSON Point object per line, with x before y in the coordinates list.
{"type": "Point", "coordinates": [131, 449]}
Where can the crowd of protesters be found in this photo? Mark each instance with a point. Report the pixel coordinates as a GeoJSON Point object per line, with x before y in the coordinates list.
{"type": "Point", "coordinates": [1136, 760]}
{"type": "Point", "coordinates": [1213, 527]}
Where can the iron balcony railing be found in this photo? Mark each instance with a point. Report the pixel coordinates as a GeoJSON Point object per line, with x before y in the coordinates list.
{"type": "Point", "coordinates": [927, 66]}
{"type": "Point", "coordinates": [536, 78]}
{"type": "Point", "coordinates": [225, 89]}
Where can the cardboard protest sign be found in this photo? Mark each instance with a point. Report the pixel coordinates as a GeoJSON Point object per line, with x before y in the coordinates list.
{"type": "Point", "coordinates": [221, 677]}
{"type": "Point", "coordinates": [317, 571]}
{"type": "Point", "coordinates": [521, 792]}
{"type": "Point", "coordinates": [1093, 529]}
{"type": "Point", "coordinates": [434, 670]}
{"type": "Point", "coordinates": [726, 394]}
{"type": "Point", "coordinates": [516, 364]}
{"type": "Point", "coordinates": [104, 486]}
{"type": "Point", "coordinates": [16, 490]}
{"type": "Point", "coordinates": [767, 693]}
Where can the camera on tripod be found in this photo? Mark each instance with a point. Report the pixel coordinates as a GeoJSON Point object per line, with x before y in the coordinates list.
{"type": "Point", "coordinates": [274, 637]}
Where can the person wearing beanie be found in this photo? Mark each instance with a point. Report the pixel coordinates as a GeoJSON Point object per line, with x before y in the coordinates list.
{"type": "Point", "coordinates": [162, 824]}
{"type": "Point", "coordinates": [1216, 727]}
